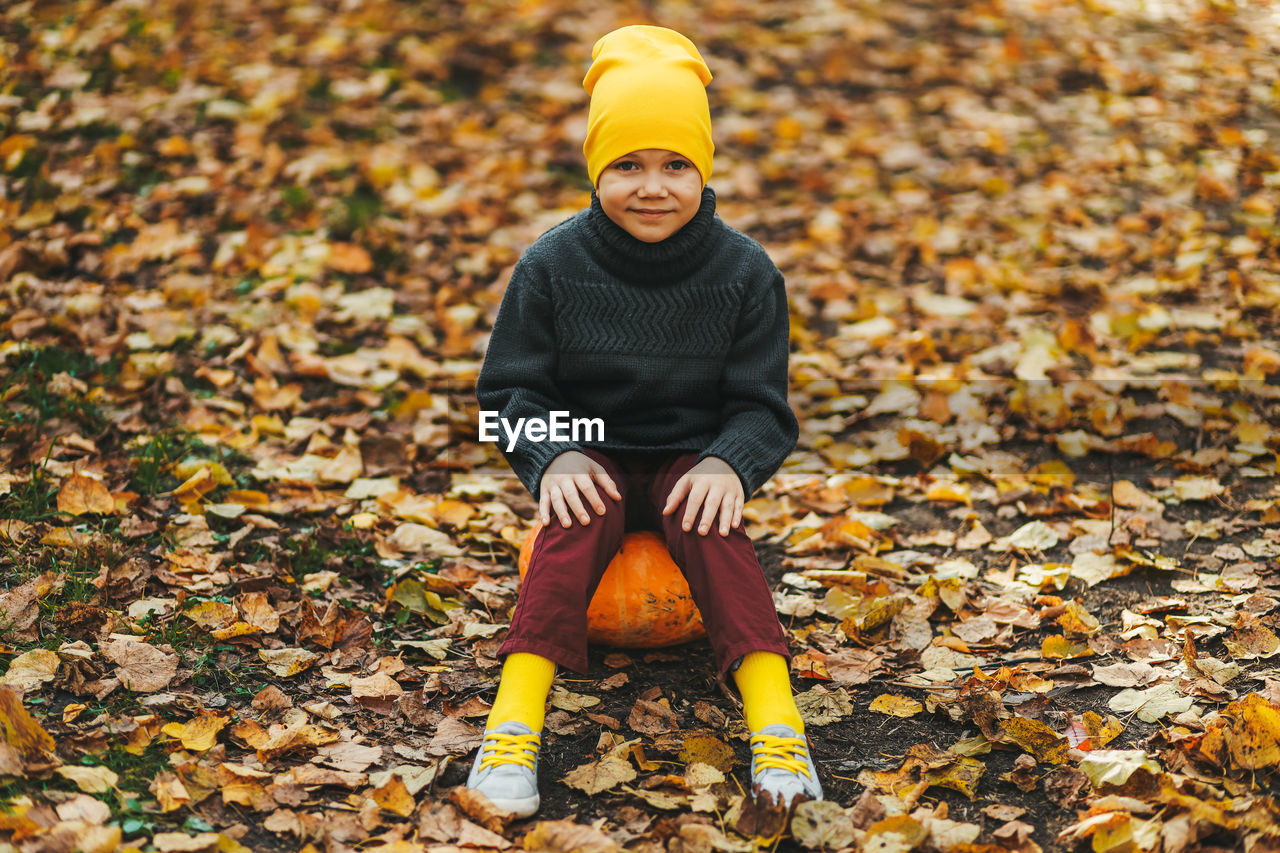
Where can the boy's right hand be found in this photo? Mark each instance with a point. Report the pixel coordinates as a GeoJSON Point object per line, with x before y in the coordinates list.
{"type": "Point", "coordinates": [570, 477]}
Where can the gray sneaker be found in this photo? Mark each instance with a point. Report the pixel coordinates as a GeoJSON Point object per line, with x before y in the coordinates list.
{"type": "Point", "coordinates": [506, 768]}
{"type": "Point", "coordinates": [781, 766]}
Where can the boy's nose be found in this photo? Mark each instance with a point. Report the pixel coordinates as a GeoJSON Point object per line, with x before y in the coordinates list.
{"type": "Point", "coordinates": [652, 184]}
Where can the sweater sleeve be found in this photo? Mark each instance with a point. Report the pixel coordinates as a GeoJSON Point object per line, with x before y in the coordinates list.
{"type": "Point", "coordinates": [517, 379]}
{"type": "Point", "coordinates": [757, 427]}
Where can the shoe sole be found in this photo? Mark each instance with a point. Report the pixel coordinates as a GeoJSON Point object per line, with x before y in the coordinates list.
{"type": "Point", "coordinates": [521, 807]}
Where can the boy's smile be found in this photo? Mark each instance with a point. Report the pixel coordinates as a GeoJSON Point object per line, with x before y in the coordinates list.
{"type": "Point", "coordinates": [651, 193]}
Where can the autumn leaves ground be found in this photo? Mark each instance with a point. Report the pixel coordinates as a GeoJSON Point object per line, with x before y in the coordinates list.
{"type": "Point", "coordinates": [254, 566]}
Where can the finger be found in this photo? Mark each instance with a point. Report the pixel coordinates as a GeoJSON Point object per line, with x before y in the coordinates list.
{"type": "Point", "coordinates": [697, 494]}
{"type": "Point", "coordinates": [544, 507]}
{"type": "Point", "coordinates": [737, 511]}
{"type": "Point", "coordinates": [588, 489]}
{"type": "Point", "coordinates": [575, 504]}
{"type": "Point", "coordinates": [557, 503]}
{"type": "Point", "coordinates": [710, 507]}
{"type": "Point", "coordinates": [726, 515]}
{"type": "Point", "coordinates": [678, 493]}
{"type": "Point", "coordinates": [601, 476]}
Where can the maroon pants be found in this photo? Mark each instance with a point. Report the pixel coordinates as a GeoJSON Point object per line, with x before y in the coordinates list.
{"type": "Point", "coordinates": [724, 575]}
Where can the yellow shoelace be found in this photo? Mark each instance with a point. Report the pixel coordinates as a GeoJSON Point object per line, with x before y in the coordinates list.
{"type": "Point", "coordinates": [784, 753]}
{"type": "Point", "coordinates": [502, 748]}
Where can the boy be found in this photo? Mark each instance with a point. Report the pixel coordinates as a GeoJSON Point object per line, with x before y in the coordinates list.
{"type": "Point", "coordinates": [647, 312]}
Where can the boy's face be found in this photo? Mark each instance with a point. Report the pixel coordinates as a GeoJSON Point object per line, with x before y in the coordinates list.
{"type": "Point", "coordinates": [651, 193]}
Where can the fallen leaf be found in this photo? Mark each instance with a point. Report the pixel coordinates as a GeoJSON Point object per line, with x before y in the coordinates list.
{"type": "Point", "coordinates": [572, 702]}
{"type": "Point", "coordinates": [710, 750]}
{"type": "Point", "coordinates": [596, 776]}
{"type": "Point", "coordinates": [31, 669]}
{"type": "Point", "coordinates": [170, 792]}
{"type": "Point", "coordinates": [376, 686]}
{"type": "Point", "coordinates": [821, 706]}
{"type": "Point", "coordinates": [285, 663]}
{"type": "Point", "coordinates": [91, 780]}
{"type": "Point", "coordinates": [20, 729]}
{"type": "Point", "coordinates": [822, 825]}
{"type": "Point", "coordinates": [1150, 704]}
{"type": "Point", "coordinates": [1036, 738]}
{"type": "Point", "coordinates": [83, 495]}
{"type": "Point", "coordinates": [394, 797]}
{"type": "Point", "coordinates": [894, 705]}
{"type": "Point", "coordinates": [141, 667]}
{"type": "Point", "coordinates": [1115, 766]}
{"type": "Point", "coordinates": [568, 836]}
{"type": "Point", "coordinates": [180, 842]}
{"type": "Point", "coordinates": [652, 718]}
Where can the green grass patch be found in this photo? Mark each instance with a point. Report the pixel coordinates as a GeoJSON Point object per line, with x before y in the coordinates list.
{"type": "Point", "coordinates": [329, 548]}
{"type": "Point", "coordinates": [36, 499]}
{"type": "Point", "coordinates": [31, 396]}
{"type": "Point", "coordinates": [156, 457]}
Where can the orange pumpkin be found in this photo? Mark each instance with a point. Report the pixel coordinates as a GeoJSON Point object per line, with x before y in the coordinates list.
{"type": "Point", "coordinates": [643, 600]}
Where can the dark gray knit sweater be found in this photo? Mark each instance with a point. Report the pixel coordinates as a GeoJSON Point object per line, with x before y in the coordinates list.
{"type": "Point", "coordinates": [679, 345]}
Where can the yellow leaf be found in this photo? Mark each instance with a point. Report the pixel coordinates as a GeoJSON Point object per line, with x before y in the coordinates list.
{"type": "Point", "coordinates": [1255, 740]}
{"type": "Point", "coordinates": [707, 749]}
{"type": "Point", "coordinates": [1058, 647]}
{"type": "Point", "coordinates": [81, 494]}
{"type": "Point", "coordinates": [287, 662]}
{"type": "Point", "coordinates": [198, 735]}
{"type": "Point", "coordinates": [1042, 742]}
{"type": "Point", "coordinates": [453, 513]}
{"type": "Point", "coordinates": [394, 797]}
{"type": "Point", "coordinates": [957, 492]}
{"type": "Point", "coordinates": [91, 780]}
{"type": "Point", "coordinates": [1101, 732]}
{"type": "Point", "coordinates": [894, 705]}
{"type": "Point", "coordinates": [19, 729]}
{"type": "Point", "coordinates": [210, 614]}
{"type": "Point", "coordinates": [235, 629]}
{"type": "Point", "coordinates": [170, 793]}
{"type": "Point", "coordinates": [1077, 622]}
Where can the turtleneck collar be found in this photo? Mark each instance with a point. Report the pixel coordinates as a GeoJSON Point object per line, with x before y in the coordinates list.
{"type": "Point", "coordinates": [635, 260]}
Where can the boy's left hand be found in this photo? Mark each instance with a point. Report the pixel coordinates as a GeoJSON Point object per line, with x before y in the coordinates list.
{"type": "Point", "coordinates": [712, 486]}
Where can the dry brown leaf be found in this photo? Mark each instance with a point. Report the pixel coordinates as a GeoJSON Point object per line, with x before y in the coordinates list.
{"type": "Point", "coordinates": [376, 686]}
{"type": "Point", "coordinates": [286, 663]}
{"type": "Point", "coordinates": [180, 842]}
{"type": "Point", "coordinates": [91, 780]}
{"type": "Point", "coordinates": [566, 836]}
{"type": "Point", "coordinates": [170, 792]}
{"type": "Point", "coordinates": [853, 666]}
{"type": "Point", "coordinates": [653, 718]}
{"type": "Point", "coordinates": [596, 776]}
{"type": "Point", "coordinates": [83, 495]}
{"type": "Point", "coordinates": [31, 669]}
{"type": "Point", "coordinates": [141, 667]}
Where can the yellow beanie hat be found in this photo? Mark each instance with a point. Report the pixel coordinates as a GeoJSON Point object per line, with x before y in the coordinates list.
{"type": "Point", "coordinates": [648, 90]}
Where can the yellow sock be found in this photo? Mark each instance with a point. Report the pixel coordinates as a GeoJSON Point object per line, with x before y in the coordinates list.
{"type": "Point", "coordinates": [522, 691]}
{"type": "Point", "coordinates": [765, 685]}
